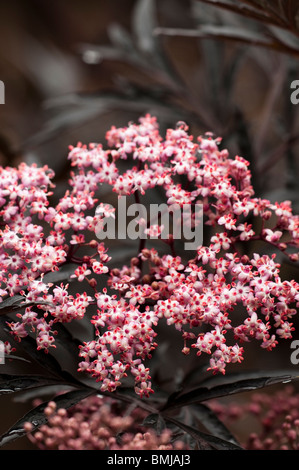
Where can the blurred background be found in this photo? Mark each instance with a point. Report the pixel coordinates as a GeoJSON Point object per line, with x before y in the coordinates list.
{"type": "Point", "coordinates": [72, 69]}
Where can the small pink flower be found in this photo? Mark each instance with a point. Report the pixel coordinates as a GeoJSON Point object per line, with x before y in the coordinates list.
{"type": "Point", "coordinates": [228, 221]}
{"type": "Point", "coordinates": [272, 237]}
{"type": "Point", "coordinates": [98, 268]}
{"type": "Point", "coordinates": [81, 272]}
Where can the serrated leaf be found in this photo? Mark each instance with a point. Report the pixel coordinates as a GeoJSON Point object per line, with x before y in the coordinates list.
{"type": "Point", "coordinates": [37, 417]}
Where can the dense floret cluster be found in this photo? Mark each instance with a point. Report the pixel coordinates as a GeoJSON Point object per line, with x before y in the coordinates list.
{"type": "Point", "coordinates": [98, 423]}
{"type": "Point", "coordinates": [196, 292]}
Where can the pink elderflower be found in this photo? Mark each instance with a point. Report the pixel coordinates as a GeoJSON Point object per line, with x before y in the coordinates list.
{"type": "Point", "coordinates": [99, 268]}
{"type": "Point", "coordinates": [195, 292]}
{"type": "Point", "coordinates": [99, 423]}
{"type": "Point", "coordinates": [81, 272]}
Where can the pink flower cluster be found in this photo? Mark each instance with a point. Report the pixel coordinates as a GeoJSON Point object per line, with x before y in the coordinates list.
{"type": "Point", "coordinates": [197, 295]}
{"type": "Point", "coordinates": [98, 423]}
{"type": "Point", "coordinates": [274, 418]}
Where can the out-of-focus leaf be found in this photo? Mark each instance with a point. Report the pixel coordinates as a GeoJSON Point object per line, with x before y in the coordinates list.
{"type": "Point", "coordinates": [143, 25]}
{"type": "Point", "coordinates": [69, 115]}
{"type": "Point", "coordinates": [16, 383]}
{"type": "Point", "coordinates": [201, 394]}
{"type": "Point", "coordinates": [93, 54]}
{"type": "Point", "coordinates": [290, 8]}
{"type": "Point", "coordinates": [37, 417]}
{"type": "Point", "coordinates": [74, 110]}
{"type": "Point", "coordinates": [274, 92]}
{"type": "Point", "coordinates": [221, 32]}
{"type": "Point", "coordinates": [284, 37]}
{"type": "Point", "coordinates": [279, 19]}
{"type": "Point", "coordinates": [254, 10]}
{"type": "Point", "coordinates": [275, 37]}
{"type": "Point", "coordinates": [121, 38]}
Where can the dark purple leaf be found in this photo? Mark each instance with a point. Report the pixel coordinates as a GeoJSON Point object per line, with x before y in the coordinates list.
{"type": "Point", "coordinates": [233, 377]}
{"type": "Point", "coordinates": [17, 383]}
{"type": "Point", "coordinates": [15, 303]}
{"type": "Point", "coordinates": [11, 304]}
{"type": "Point", "coordinates": [212, 423]}
{"type": "Point", "coordinates": [201, 394]}
{"type": "Point", "coordinates": [46, 361]}
{"type": "Point", "coordinates": [205, 441]}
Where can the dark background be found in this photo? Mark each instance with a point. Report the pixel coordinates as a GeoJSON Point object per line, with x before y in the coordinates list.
{"type": "Point", "coordinates": [72, 69]}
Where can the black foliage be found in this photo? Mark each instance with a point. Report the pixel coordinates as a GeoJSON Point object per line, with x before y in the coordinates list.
{"type": "Point", "coordinates": [204, 441]}
{"type": "Point", "coordinates": [204, 393]}
{"type": "Point", "coordinates": [17, 383]}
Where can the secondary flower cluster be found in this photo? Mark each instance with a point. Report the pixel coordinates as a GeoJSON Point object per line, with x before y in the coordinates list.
{"type": "Point", "coordinates": [97, 423]}
{"type": "Point", "coordinates": [274, 417]}
{"type": "Point", "coordinates": [196, 293]}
